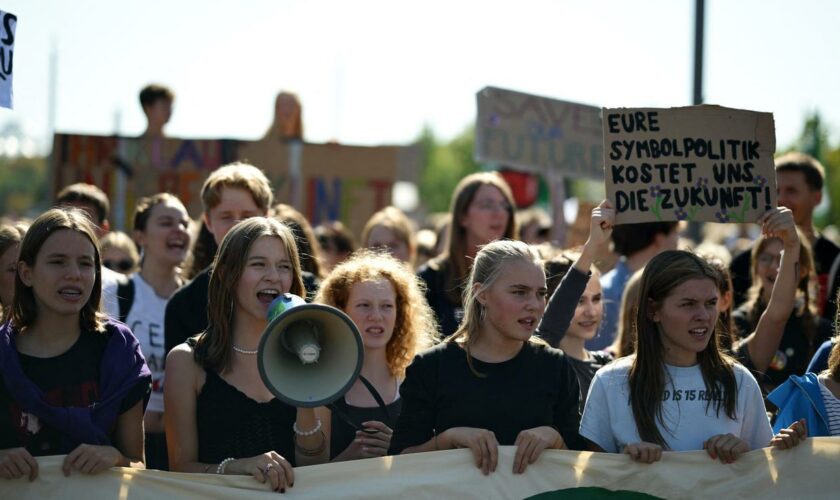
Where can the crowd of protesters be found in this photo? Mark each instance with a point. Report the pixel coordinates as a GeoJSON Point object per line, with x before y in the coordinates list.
{"type": "Point", "coordinates": [139, 349]}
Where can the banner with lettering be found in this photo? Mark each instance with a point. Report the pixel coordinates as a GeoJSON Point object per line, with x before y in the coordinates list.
{"type": "Point", "coordinates": [807, 471]}
{"type": "Point", "coordinates": [324, 181]}
{"type": "Point", "coordinates": [696, 163]}
{"type": "Point", "coordinates": [538, 133]}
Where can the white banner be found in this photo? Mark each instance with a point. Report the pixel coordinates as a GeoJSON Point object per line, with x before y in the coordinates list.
{"type": "Point", "coordinates": [811, 470]}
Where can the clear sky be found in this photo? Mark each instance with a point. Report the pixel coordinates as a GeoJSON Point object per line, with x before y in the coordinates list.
{"type": "Point", "coordinates": [374, 72]}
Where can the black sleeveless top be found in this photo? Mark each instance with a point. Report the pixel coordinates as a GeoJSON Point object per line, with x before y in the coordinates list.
{"type": "Point", "coordinates": [230, 424]}
{"type": "Point", "coordinates": [342, 435]}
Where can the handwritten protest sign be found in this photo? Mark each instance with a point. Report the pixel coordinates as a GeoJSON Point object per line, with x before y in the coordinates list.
{"type": "Point", "coordinates": [8, 23]}
{"type": "Point", "coordinates": [697, 163]}
{"type": "Point", "coordinates": [538, 134]}
{"type": "Point", "coordinates": [346, 183]}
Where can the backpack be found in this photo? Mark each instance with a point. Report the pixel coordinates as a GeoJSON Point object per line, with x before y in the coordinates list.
{"type": "Point", "coordinates": [125, 296]}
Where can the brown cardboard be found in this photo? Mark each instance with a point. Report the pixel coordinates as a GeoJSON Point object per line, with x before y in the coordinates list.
{"type": "Point", "coordinates": [696, 163]}
{"type": "Point", "coordinates": [335, 182]}
{"type": "Point", "coordinates": [538, 134]}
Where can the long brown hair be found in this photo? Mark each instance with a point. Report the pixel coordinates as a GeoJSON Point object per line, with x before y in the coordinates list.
{"type": "Point", "coordinates": [308, 247]}
{"type": "Point", "coordinates": [489, 264]}
{"type": "Point", "coordinates": [453, 262]}
{"type": "Point", "coordinates": [729, 334]}
{"type": "Point", "coordinates": [213, 347]}
{"type": "Point", "coordinates": [24, 305]}
{"type": "Point", "coordinates": [647, 376]}
{"type": "Point", "coordinates": [286, 129]}
{"type": "Point", "coordinates": [415, 326]}
{"type": "Point", "coordinates": [625, 339]}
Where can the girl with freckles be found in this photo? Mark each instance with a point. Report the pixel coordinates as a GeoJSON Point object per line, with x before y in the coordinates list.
{"type": "Point", "coordinates": [384, 299]}
{"type": "Point", "coordinates": [492, 382]}
{"type": "Point", "coordinates": [684, 392]}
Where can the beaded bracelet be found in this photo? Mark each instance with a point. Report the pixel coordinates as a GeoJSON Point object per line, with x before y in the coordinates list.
{"type": "Point", "coordinates": [307, 433]}
{"type": "Point", "coordinates": [221, 468]}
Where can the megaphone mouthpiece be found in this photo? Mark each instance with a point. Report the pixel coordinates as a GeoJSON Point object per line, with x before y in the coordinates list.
{"type": "Point", "coordinates": [302, 340]}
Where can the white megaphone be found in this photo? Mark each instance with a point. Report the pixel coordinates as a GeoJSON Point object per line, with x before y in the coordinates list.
{"type": "Point", "coordinates": [310, 354]}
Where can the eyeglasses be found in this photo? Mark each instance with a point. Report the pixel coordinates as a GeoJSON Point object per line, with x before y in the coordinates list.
{"type": "Point", "coordinates": [489, 205]}
{"type": "Point", "coordinates": [121, 266]}
{"type": "Point", "coordinates": [766, 259]}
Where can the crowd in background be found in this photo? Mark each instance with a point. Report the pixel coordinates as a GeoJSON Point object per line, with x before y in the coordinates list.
{"type": "Point", "coordinates": [139, 349]}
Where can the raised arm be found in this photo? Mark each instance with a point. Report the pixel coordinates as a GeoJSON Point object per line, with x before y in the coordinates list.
{"type": "Point", "coordinates": [764, 342]}
{"type": "Point", "coordinates": [561, 307]}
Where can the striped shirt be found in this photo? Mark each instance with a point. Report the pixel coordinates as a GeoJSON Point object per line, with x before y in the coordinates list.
{"type": "Point", "coordinates": [832, 409]}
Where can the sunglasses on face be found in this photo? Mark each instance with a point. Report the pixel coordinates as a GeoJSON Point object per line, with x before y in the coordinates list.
{"type": "Point", "coordinates": [121, 266]}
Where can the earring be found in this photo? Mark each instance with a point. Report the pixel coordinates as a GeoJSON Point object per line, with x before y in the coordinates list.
{"type": "Point", "coordinates": [482, 312]}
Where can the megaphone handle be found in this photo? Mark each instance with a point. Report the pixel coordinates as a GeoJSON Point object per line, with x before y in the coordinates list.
{"type": "Point", "coordinates": [340, 413]}
{"type": "Point", "coordinates": [373, 392]}
{"type": "Point", "coordinates": [376, 396]}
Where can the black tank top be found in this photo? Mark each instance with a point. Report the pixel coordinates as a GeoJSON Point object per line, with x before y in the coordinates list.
{"type": "Point", "coordinates": [342, 435]}
{"type": "Point", "coordinates": [230, 424]}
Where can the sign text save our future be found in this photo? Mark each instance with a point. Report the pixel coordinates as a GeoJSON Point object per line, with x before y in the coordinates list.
{"type": "Point", "coordinates": [701, 163]}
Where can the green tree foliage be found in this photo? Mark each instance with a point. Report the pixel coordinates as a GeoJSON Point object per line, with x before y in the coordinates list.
{"type": "Point", "coordinates": [831, 161]}
{"type": "Point", "coordinates": [23, 186]}
{"type": "Point", "coordinates": [444, 164]}
{"type": "Point", "coordinates": [814, 141]}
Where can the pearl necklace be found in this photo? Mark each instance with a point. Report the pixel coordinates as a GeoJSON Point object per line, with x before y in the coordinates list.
{"type": "Point", "coordinates": [246, 351]}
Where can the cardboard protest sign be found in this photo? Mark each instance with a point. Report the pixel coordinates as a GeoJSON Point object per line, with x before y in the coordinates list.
{"type": "Point", "coordinates": [538, 134]}
{"type": "Point", "coordinates": [346, 183]}
{"type": "Point", "coordinates": [148, 166]}
{"type": "Point", "coordinates": [8, 23]}
{"type": "Point", "coordinates": [697, 163]}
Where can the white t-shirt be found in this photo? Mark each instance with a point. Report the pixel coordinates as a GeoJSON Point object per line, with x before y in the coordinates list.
{"type": "Point", "coordinates": [145, 318]}
{"type": "Point", "coordinates": [608, 416]}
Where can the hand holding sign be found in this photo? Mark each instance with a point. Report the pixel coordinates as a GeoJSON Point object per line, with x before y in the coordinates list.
{"type": "Point", "coordinates": [778, 223]}
{"type": "Point", "coordinates": [701, 163]}
{"type": "Point", "coordinates": [601, 224]}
